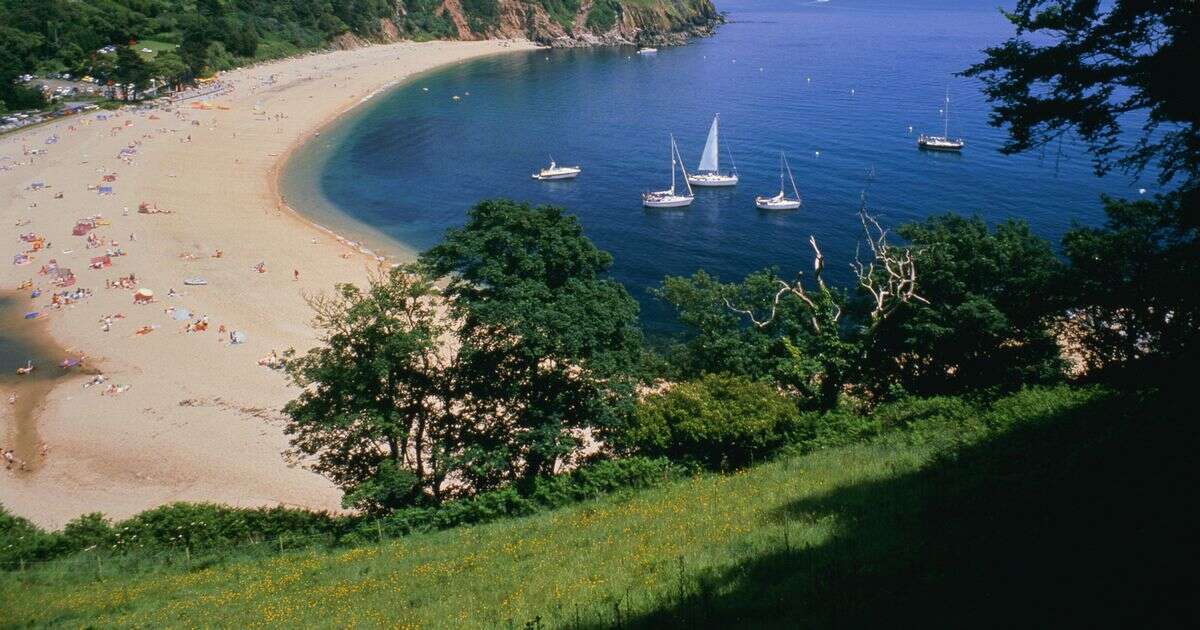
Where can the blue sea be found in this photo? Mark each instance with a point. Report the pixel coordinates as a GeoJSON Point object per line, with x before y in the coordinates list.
{"type": "Point", "coordinates": [842, 86]}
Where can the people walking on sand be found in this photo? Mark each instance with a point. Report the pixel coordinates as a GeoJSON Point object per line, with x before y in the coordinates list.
{"type": "Point", "coordinates": [295, 274]}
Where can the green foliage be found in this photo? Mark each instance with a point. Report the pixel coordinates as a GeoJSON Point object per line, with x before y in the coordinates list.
{"type": "Point", "coordinates": [1045, 510]}
{"type": "Point", "coordinates": [222, 530]}
{"type": "Point", "coordinates": [561, 11]}
{"type": "Point", "coordinates": [716, 422]}
{"type": "Point", "coordinates": [1082, 66]}
{"type": "Point", "coordinates": [376, 410]}
{"type": "Point", "coordinates": [482, 15]}
{"type": "Point", "coordinates": [549, 343]}
{"type": "Point", "coordinates": [982, 329]}
{"type": "Point", "coordinates": [131, 69]}
{"type": "Point", "coordinates": [1131, 288]}
{"type": "Point", "coordinates": [603, 16]}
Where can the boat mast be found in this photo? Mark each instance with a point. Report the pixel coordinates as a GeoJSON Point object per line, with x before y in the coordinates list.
{"type": "Point", "coordinates": [946, 116]}
{"type": "Point", "coordinates": [795, 190]}
{"type": "Point", "coordinates": [672, 164]}
{"type": "Point", "coordinates": [781, 173]}
{"type": "Point", "coordinates": [682, 168]}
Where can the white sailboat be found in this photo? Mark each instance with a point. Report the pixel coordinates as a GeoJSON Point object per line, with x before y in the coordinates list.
{"type": "Point", "coordinates": [709, 174]}
{"type": "Point", "coordinates": [669, 198]}
{"type": "Point", "coordinates": [781, 201]}
{"type": "Point", "coordinates": [943, 142]}
{"type": "Point", "coordinates": [554, 171]}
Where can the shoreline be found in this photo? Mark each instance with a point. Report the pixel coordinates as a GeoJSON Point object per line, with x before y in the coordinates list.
{"type": "Point", "coordinates": [195, 418]}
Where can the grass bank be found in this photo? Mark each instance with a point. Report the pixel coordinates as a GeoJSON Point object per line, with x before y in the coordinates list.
{"type": "Point", "coordinates": [1039, 507]}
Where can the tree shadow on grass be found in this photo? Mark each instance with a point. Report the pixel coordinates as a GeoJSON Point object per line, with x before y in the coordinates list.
{"type": "Point", "coordinates": [1077, 519]}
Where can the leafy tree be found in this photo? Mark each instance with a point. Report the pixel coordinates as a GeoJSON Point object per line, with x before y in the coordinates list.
{"type": "Point", "coordinates": [717, 421]}
{"type": "Point", "coordinates": [982, 327]}
{"type": "Point", "coordinates": [1084, 66]}
{"type": "Point", "coordinates": [375, 411]}
{"type": "Point", "coordinates": [170, 66]}
{"type": "Point", "coordinates": [131, 69]}
{"type": "Point", "coordinates": [1132, 286]}
{"type": "Point", "coordinates": [1094, 68]}
{"type": "Point", "coordinates": [16, 49]}
{"type": "Point", "coordinates": [548, 342]}
{"type": "Point", "coordinates": [792, 333]}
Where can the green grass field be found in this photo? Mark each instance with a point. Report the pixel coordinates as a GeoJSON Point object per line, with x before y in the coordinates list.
{"type": "Point", "coordinates": [153, 46]}
{"type": "Point", "coordinates": [865, 534]}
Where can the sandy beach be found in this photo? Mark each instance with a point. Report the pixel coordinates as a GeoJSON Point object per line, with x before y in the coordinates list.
{"type": "Point", "coordinates": [180, 415]}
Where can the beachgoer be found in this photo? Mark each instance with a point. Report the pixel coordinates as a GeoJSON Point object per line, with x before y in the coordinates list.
{"type": "Point", "coordinates": [295, 274]}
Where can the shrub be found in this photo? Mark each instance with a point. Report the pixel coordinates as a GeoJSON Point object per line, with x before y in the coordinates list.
{"type": "Point", "coordinates": [717, 421]}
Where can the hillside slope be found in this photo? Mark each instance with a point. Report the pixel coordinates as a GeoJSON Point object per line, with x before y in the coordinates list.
{"type": "Point", "coordinates": [1034, 509]}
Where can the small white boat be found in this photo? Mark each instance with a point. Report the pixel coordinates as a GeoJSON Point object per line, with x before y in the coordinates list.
{"type": "Point", "coordinates": [781, 201]}
{"type": "Point", "coordinates": [669, 198]}
{"type": "Point", "coordinates": [943, 142]}
{"type": "Point", "coordinates": [709, 173]}
{"type": "Point", "coordinates": [554, 171]}
{"type": "Point", "coordinates": [647, 51]}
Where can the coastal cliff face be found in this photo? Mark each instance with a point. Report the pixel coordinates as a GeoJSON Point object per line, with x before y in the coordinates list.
{"type": "Point", "coordinates": [558, 23]}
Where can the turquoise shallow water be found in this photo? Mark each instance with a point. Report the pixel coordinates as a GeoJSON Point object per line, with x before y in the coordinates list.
{"type": "Point", "coordinates": [836, 84]}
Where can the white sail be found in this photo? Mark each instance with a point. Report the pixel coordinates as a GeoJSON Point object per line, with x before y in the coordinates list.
{"type": "Point", "coordinates": [710, 160]}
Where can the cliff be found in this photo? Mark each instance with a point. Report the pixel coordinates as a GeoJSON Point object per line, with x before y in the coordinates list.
{"type": "Point", "coordinates": [559, 23]}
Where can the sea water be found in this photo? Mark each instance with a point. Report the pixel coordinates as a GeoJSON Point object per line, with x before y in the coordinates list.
{"type": "Point", "coordinates": [844, 87]}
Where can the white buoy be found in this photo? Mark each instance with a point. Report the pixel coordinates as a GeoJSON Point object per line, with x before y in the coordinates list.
{"type": "Point", "coordinates": [817, 153]}
{"type": "Point", "coordinates": [1141, 191]}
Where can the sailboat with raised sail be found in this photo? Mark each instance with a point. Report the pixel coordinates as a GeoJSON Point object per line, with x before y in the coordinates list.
{"type": "Point", "coordinates": [709, 174]}
{"type": "Point", "coordinates": [943, 142]}
{"type": "Point", "coordinates": [781, 201]}
{"type": "Point", "coordinates": [669, 198]}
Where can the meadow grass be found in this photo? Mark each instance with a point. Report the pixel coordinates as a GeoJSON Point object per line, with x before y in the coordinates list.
{"type": "Point", "coordinates": [846, 536]}
{"type": "Point", "coordinates": [622, 551]}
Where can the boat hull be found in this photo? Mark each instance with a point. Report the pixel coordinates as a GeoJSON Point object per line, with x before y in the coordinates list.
{"type": "Point", "coordinates": [550, 178]}
{"type": "Point", "coordinates": [951, 146]}
{"type": "Point", "coordinates": [677, 201]}
{"type": "Point", "coordinates": [774, 203]}
{"type": "Point", "coordinates": [713, 181]}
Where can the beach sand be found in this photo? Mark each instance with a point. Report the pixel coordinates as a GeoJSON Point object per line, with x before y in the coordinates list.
{"type": "Point", "coordinates": [200, 419]}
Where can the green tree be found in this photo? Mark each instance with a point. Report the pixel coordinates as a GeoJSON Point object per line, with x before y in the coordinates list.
{"type": "Point", "coordinates": [548, 342]}
{"type": "Point", "coordinates": [1083, 66]}
{"type": "Point", "coordinates": [793, 332]}
{"type": "Point", "coordinates": [717, 421]}
{"type": "Point", "coordinates": [131, 69]}
{"type": "Point", "coordinates": [375, 411]}
{"type": "Point", "coordinates": [1132, 287]}
{"type": "Point", "coordinates": [991, 306]}
{"type": "Point", "coordinates": [170, 66]}
{"type": "Point", "coordinates": [1095, 69]}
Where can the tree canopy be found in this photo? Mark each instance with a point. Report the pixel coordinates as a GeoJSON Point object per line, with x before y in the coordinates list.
{"type": "Point", "coordinates": [1089, 67]}
{"type": "Point", "coordinates": [548, 341]}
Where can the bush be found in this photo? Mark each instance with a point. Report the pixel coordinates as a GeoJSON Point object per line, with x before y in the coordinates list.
{"type": "Point", "coordinates": [715, 422]}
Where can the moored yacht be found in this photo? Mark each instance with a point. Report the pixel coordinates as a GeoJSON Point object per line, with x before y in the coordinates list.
{"type": "Point", "coordinates": [669, 198]}
{"type": "Point", "coordinates": [554, 171]}
{"type": "Point", "coordinates": [781, 201]}
{"type": "Point", "coordinates": [709, 174]}
{"type": "Point", "coordinates": [943, 142]}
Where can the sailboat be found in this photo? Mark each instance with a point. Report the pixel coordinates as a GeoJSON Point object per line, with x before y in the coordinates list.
{"type": "Point", "coordinates": [781, 201]}
{"type": "Point", "coordinates": [709, 173]}
{"type": "Point", "coordinates": [554, 171]}
{"type": "Point", "coordinates": [669, 198]}
{"type": "Point", "coordinates": [943, 142]}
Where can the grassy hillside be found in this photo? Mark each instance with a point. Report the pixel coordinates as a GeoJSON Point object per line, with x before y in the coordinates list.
{"type": "Point", "coordinates": [1023, 511]}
